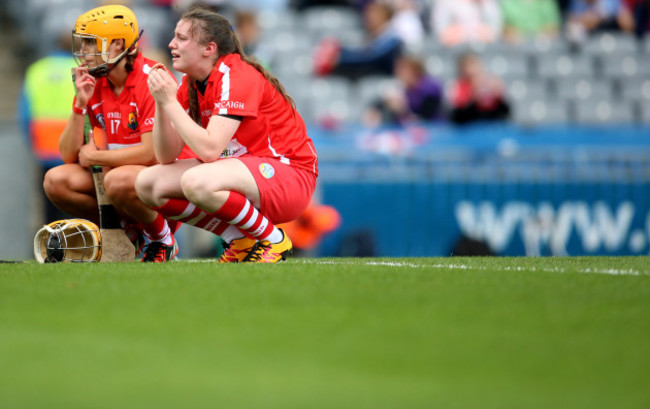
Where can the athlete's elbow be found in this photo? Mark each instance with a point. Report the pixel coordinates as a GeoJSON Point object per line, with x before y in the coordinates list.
{"type": "Point", "coordinates": [209, 156]}
{"type": "Point", "coordinates": [151, 160]}
{"type": "Point", "coordinates": [69, 157]}
{"type": "Point", "coordinates": [164, 159]}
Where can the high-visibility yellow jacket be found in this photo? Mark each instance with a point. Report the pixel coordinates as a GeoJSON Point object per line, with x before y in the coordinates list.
{"type": "Point", "coordinates": [48, 93]}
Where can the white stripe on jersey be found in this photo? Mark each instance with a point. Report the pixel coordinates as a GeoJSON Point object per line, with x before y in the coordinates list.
{"type": "Point", "coordinates": [113, 146]}
{"type": "Point", "coordinates": [309, 145]}
{"type": "Point", "coordinates": [277, 155]}
{"type": "Point", "coordinates": [225, 86]}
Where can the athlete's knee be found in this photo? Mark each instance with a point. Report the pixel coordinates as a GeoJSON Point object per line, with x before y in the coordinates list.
{"type": "Point", "coordinates": [145, 184]}
{"type": "Point", "coordinates": [56, 183]}
{"type": "Point", "coordinates": [194, 187]}
{"type": "Point", "coordinates": [119, 185]}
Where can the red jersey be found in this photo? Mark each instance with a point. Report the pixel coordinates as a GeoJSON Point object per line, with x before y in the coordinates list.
{"type": "Point", "coordinates": [270, 126]}
{"type": "Point", "coordinates": [127, 116]}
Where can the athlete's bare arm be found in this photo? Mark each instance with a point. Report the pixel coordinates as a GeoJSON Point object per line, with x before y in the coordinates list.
{"type": "Point", "coordinates": [72, 138]}
{"type": "Point", "coordinates": [167, 143]}
{"type": "Point", "coordinates": [134, 155]}
{"type": "Point", "coordinates": [208, 143]}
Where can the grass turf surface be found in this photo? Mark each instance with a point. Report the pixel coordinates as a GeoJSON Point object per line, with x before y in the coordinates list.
{"type": "Point", "coordinates": [332, 333]}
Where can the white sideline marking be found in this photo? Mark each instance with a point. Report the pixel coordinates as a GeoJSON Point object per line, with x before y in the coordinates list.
{"type": "Point", "coordinates": [608, 271]}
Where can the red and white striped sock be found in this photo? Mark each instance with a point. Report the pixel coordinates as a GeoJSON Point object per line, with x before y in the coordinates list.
{"type": "Point", "coordinates": [231, 233]}
{"type": "Point", "coordinates": [186, 212]}
{"type": "Point", "coordinates": [158, 230]}
{"type": "Point", "coordinates": [240, 212]}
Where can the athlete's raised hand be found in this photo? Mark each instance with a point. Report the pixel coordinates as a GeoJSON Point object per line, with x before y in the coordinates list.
{"type": "Point", "coordinates": [162, 84]}
{"type": "Point", "coordinates": [85, 85]}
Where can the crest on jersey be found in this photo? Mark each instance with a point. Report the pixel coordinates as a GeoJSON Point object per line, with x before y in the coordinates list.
{"type": "Point", "coordinates": [133, 122]}
{"type": "Point", "coordinates": [100, 119]}
{"type": "Point", "coordinates": [267, 170]}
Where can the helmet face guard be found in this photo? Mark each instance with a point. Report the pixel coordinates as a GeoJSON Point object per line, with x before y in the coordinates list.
{"type": "Point", "coordinates": [89, 45]}
{"type": "Point", "coordinates": [72, 240]}
{"type": "Point", "coordinates": [96, 29]}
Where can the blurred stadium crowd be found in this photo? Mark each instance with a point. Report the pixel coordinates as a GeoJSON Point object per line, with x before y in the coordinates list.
{"type": "Point", "coordinates": [546, 61]}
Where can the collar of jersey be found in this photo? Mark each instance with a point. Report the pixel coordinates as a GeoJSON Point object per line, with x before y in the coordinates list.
{"type": "Point", "coordinates": [228, 59]}
{"type": "Point", "coordinates": [132, 80]}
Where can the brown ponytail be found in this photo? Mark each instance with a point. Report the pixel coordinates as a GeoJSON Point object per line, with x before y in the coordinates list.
{"type": "Point", "coordinates": [208, 26]}
{"type": "Point", "coordinates": [195, 113]}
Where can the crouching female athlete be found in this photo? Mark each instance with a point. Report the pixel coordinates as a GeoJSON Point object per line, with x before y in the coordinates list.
{"type": "Point", "coordinates": [111, 89]}
{"type": "Point", "coordinates": [241, 160]}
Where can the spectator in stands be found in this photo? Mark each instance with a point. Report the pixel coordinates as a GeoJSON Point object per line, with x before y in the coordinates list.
{"type": "Point", "coordinates": [248, 31]}
{"type": "Point", "coordinates": [44, 108]}
{"type": "Point", "coordinates": [641, 12]}
{"type": "Point", "coordinates": [421, 99]}
{"type": "Point", "coordinates": [301, 5]}
{"type": "Point", "coordinates": [378, 56]}
{"type": "Point", "coordinates": [530, 18]}
{"type": "Point", "coordinates": [466, 21]}
{"type": "Point", "coordinates": [407, 22]}
{"type": "Point", "coordinates": [588, 16]}
{"type": "Point", "coordinates": [477, 95]}
{"type": "Point", "coordinates": [563, 6]}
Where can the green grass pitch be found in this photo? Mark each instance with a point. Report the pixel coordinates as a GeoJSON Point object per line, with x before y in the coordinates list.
{"type": "Point", "coordinates": [328, 333]}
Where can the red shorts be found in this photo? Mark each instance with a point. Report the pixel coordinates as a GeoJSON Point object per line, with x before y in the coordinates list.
{"type": "Point", "coordinates": [285, 191]}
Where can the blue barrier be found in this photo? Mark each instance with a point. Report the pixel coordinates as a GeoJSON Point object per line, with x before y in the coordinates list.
{"type": "Point", "coordinates": [544, 191]}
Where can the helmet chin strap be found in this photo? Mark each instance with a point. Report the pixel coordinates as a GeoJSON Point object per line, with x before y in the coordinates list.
{"type": "Point", "coordinates": [104, 69]}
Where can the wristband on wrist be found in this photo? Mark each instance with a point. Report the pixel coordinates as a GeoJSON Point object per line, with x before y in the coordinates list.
{"type": "Point", "coordinates": [77, 110]}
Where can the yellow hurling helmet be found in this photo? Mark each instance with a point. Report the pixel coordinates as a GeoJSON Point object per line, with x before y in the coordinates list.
{"type": "Point", "coordinates": [71, 240]}
{"type": "Point", "coordinates": [100, 26]}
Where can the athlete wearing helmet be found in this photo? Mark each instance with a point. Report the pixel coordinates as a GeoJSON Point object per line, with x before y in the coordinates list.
{"type": "Point", "coordinates": [111, 89]}
{"type": "Point", "coordinates": [95, 31]}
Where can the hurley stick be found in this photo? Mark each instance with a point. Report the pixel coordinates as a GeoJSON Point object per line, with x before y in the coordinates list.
{"type": "Point", "coordinates": [116, 246]}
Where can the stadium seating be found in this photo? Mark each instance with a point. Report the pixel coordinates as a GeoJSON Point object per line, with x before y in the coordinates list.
{"type": "Point", "coordinates": [610, 44]}
{"type": "Point", "coordinates": [537, 111]}
{"type": "Point", "coordinates": [369, 89]}
{"type": "Point", "coordinates": [440, 66]}
{"type": "Point", "coordinates": [329, 19]}
{"type": "Point", "coordinates": [599, 112]}
{"type": "Point", "coordinates": [547, 80]}
{"type": "Point", "coordinates": [519, 90]}
{"type": "Point", "coordinates": [579, 89]}
{"type": "Point", "coordinates": [508, 66]}
{"type": "Point", "coordinates": [644, 113]}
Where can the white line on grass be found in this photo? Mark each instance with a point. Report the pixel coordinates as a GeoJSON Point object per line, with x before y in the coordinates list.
{"type": "Point", "coordinates": [609, 271]}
